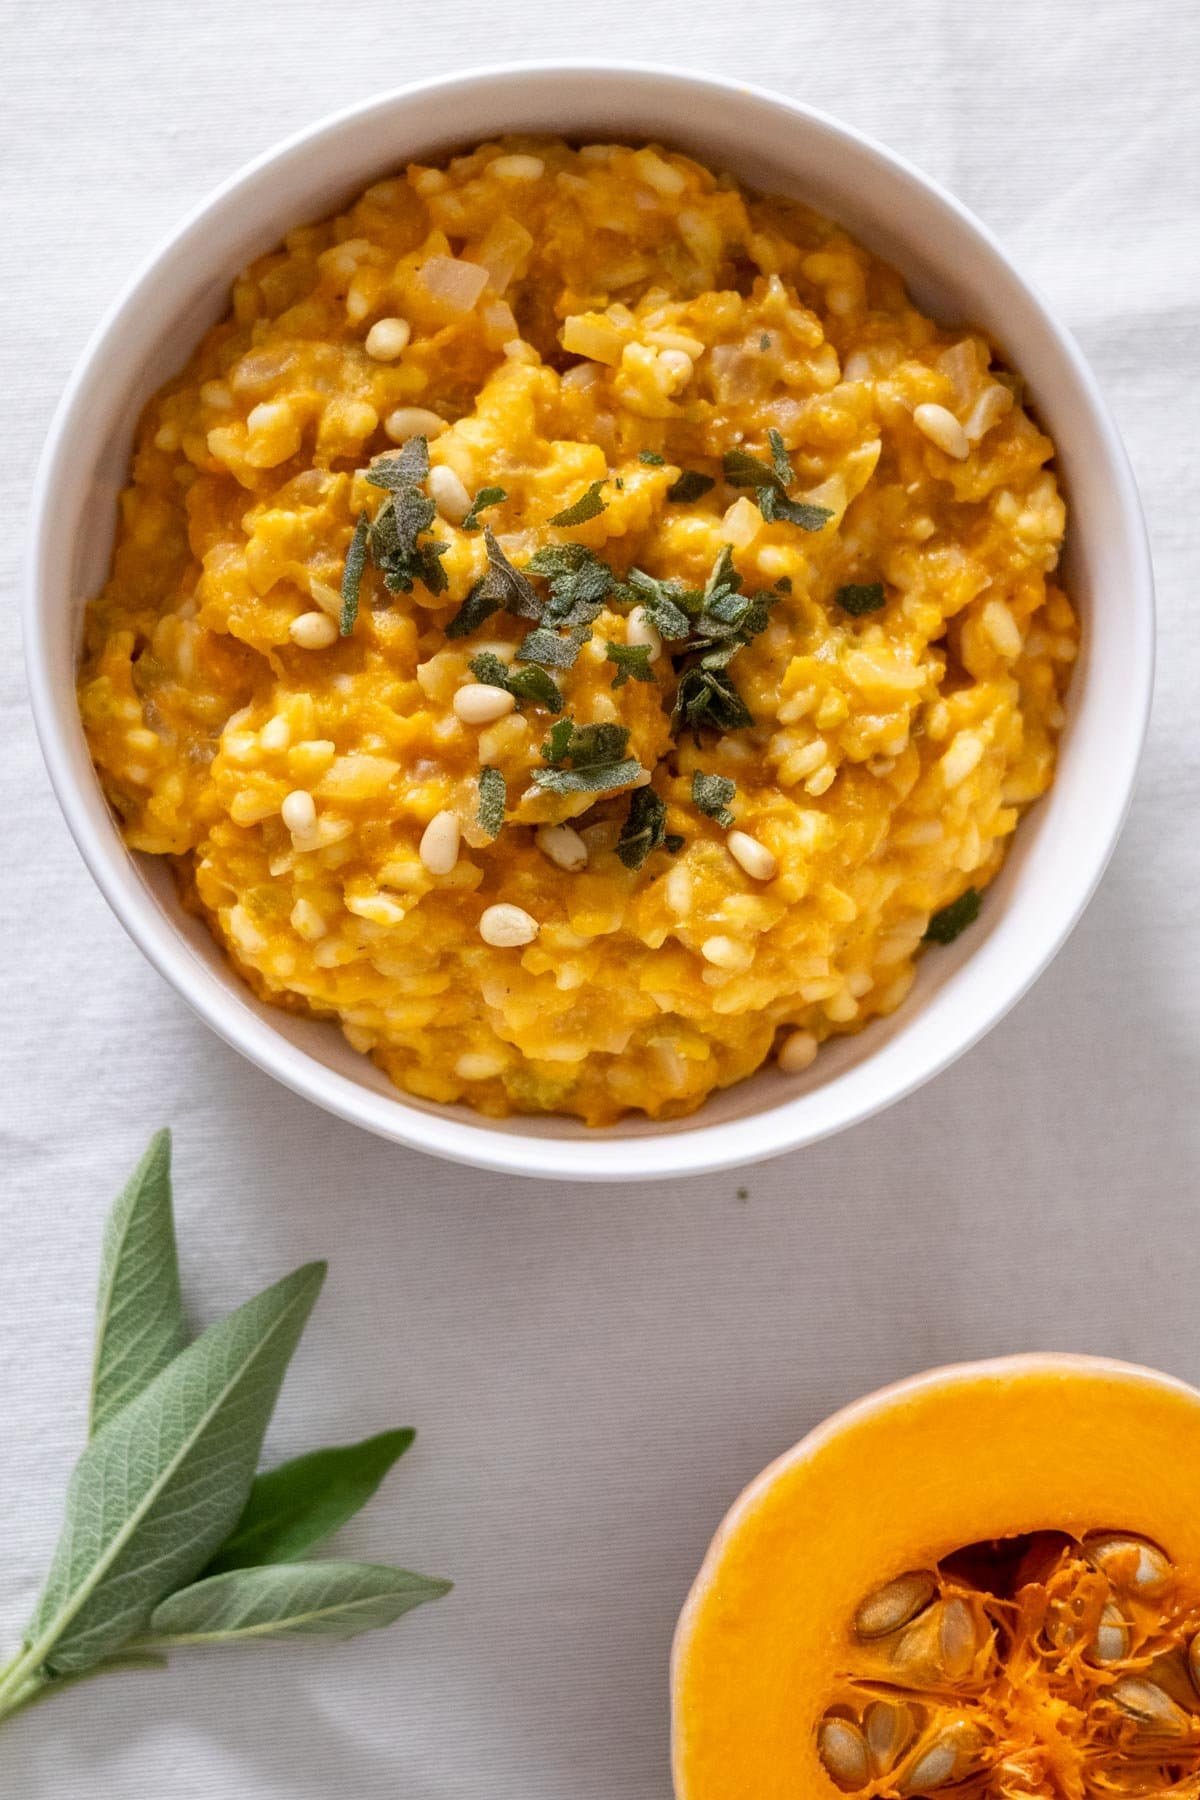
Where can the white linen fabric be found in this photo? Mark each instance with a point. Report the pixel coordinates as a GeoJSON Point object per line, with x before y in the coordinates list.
{"type": "Point", "coordinates": [594, 1373]}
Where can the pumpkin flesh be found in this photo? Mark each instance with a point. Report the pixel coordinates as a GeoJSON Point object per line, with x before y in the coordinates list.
{"type": "Point", "coordinates": [1027, 1458]}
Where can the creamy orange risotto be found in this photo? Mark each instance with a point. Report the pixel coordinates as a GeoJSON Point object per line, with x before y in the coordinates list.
{"type": "Point", "coordinates": [578, 626]}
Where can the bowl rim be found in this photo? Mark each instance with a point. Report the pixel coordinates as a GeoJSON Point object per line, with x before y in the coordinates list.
{"type": "Point", "coordinates": [587, 1155]}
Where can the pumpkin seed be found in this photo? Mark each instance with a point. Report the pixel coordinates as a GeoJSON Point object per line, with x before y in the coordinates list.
{"type": "Point", "coordinates": [940, 1645]}
{"type": "Point", "coordinates": [1145, 1702]}
{"type": "Point", "coordinates": [948, 1758]}
{"type": "Point", "coordinates": [1112, 1639]}
{"type": "Point", "coordinates": [894, 1605]}
{"type": "Point", "coordinates": [843, 1751]}
{"type": "Point", "coordinates": [888, 1726]}
{"type": "Point", "coordinates": [1132, 1564]}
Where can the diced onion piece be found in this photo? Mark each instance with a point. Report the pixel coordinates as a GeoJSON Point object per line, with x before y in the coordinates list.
{"type": "Point", "coordinates": [504, 248]}
{"type": "Point", "coordinates": [593, 336]}
{"type": "Point", "coordinates": [454, 284]}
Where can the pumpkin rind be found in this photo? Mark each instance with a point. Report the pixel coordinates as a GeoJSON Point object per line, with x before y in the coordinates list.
{"type": "Point", "coordinates": [891, 1484]}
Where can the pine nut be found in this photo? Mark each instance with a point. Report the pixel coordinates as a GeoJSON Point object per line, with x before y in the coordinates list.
{"type": "Point", "coordinates": [640, 631]}
{"type": "Point", "coordinates": [313, 631]}
{"type": "Point", "coordinates": [478, 704]}
{"type": "Point", "coordinates": [413, 421]}
{"type": "Point", "coordinates": [448, 494]}
{"type": "Point", "coordinates": [387, 338]}
{"type": "Point", "coordinates": [797, 1052]}
{"type": "Point", "coordinates": [564, 847]}
{"type": "Point", "coordinates": [759, 863]}
{"type": "Point", "coordinates": [942, 428]}
{"type": "Point", "coordinates": [678, 366]}
{"type": "Point", "coordinates": [299, 811]}
{"type": "Point", "coordinates": [504, 927]}
{"type": "Point", "coordinates": [439, 843]}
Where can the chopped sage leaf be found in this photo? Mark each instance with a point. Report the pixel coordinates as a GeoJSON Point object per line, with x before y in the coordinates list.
{"type": "Point", "coordinates": [780, 460]}
{"type": "Point", "coordinates": [784, 585]}
{"type": "Point", "coordinates": [707, 698]}
{"type": "Point", "coordinates": [745, 471]}
{"type": "Point", "coordinates": [690, 486]}
{"type": "Point", "coordinates": [600, 778]}
{"type": "Point", "coordinates": [950, 921]}
{"type": "Point", "coordinates": [663, 602]}
{"type": "Point", "coordinates": [554, 749]}
{"type": "Point", "coordinates": [550, 648]}
{"type": "Point", "coordinates": [502, 589]}
{"type": "Point", "coordinates": [673, 842]}
{"type": "Point", "coordinates": [652, 458]}
{"type": "Point", "coordinates": [487, 496]}
{"type": "Point", "coordinates": [857, 598]}
{"type": "Point", "coordinates": [493, 796]}
{"type": "Point", "coordinates": [352, 574]}
{"type": "Point", "coordinates": [712, 794]}
{"type": "Point", "coordinates": [405, 468]}
{"type": "Point", "coordinates": [776, 506]}
{"type": "Point", "coordinates": [580, 583]}
{"type": "Point", "coordinates": [586, 507]}
{"type": "Point", "coordinates": [644, 829]}
{"type": "Point", "coordinates": [525, 684]}
{"type": "Point", "coordinates": [764, 342]}
{"type": "Point", "coordinates": [597, 756]}
{"type": "Point", "coordinates": [632, 660]}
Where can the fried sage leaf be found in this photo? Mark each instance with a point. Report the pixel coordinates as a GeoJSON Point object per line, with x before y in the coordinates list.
{"type": "Point", "coordinates": [140, 1324]}
{"type": "Point", "coordinates": [951, 921]}
{"type": "Point", "coordinates": [644, 829]}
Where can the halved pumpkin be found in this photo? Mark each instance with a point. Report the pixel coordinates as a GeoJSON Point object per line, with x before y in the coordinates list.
{"type": "Point", "coordinates": [982, 1582]}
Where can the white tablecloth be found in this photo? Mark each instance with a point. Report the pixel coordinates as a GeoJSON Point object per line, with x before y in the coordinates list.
{"type": "Point", "coordinates": [594, 1373]}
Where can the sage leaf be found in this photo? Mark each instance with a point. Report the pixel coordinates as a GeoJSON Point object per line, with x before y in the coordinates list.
{"type": "Point", "coordinates": [289, 1600]}
{"type": "Point", "coordinates": [161, 1485]}
{"type": "Point", "coordinates": [304, 1501]}
{"type": "Point", "coordinates": [140, 1325]}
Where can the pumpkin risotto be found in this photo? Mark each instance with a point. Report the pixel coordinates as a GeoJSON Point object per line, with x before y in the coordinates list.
{"type": "Point", "coordinates": [578, 625]}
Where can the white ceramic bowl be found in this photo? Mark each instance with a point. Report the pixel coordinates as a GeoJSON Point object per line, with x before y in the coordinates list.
{"type": "Point", "coordinates": [955, 269]}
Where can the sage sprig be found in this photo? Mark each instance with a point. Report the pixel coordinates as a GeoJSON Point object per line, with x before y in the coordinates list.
{"type": "Point", "coordinates": [169, 1539]}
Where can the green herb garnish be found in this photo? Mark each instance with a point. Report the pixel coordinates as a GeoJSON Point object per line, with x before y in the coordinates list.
{"type": "Point", "coordinates": [764, 342]}
{"type": "Point", "coordinates": [524, 684]}
{"type": "Point", "coordinates": [502, 589]}
{"type": "Point", "coordinates": [690, 486]}
{"type": "Point", "coordinates": [597, 757]}
{"type": "Point", "coordinates": [168, 1539]}
{"type": "Point", "coordinates": [588, 506]}
{"type": "Point", "coordinates": [771, 482]}
{"type": "Point", "coordinates": [644, 829]}
{"type": "Point", "coordinates": [493, 797]}
{"type": "Point", "coordinates": [550, 648]}
{"type": "Point", "coordinates": [487, 496]}
{"type": "Point", "coordinates": [950, 921]}
{"type": "Point", "coordinates": [707, 699]}
{"type": "Point", "coordinates": [856, 598]}
{"type": "Point", "coordinates": [579, 583]}
{"type": "Point", "coordinates": [352, 574]}
{"type": "Point", "coordinates": [667, 605]}
{"type": "Point", "coordinates": [401, 521]}
{"type": "Point", "coordinates": [712, 794]}
{"type": "Point", "coordinates": [652, 458]}
{"type": "Point", "coordinates": [673, 842]}
{"type": "Point", "coordinates": [632, 660]}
